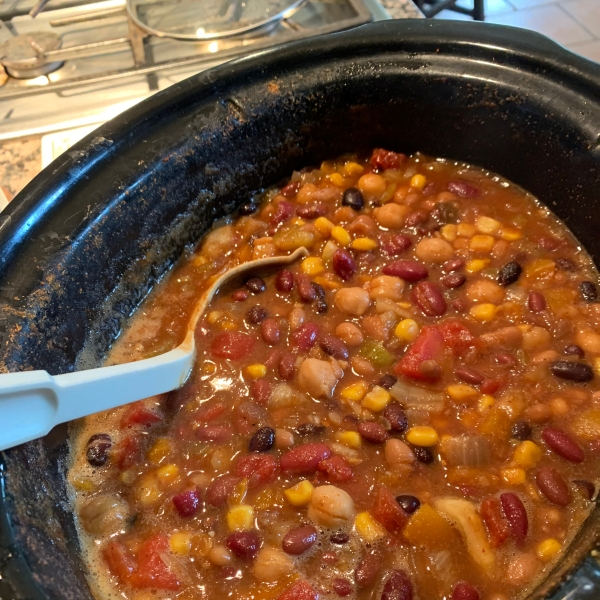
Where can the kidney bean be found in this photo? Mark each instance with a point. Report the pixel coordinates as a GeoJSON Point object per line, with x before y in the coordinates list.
{"type": "Point", "coordinates": [248, 208]}
{"type": "Point", "coordinates": [463, 188]}
{"type": "Point", "coordinates": [305, 336]}
{"type": "Point", "coordinates": [564, 264]}
{"type": "Point", "coordinates": [339, 538]}
{"type": "Point", "coordinates": [256, 285]}
{"type": "Point", "coordinates": [587, 488]}
{"type": "Point", "coordinates": [343, 264]}
{"type": "Point", "coordinates": [366, 571]}
{"type": "Point", "coordinates": [386, 159]}
{"type": "Point", "coordinates": [396, 416]}
{"type": "Point", "coordinates": [305, 290]}
{"type": "Point", "coordinates": [329, 558]}
{"type": "Point", "coordinates": [353, 198]}
{"type": "Point", "coordinates": [256, 315]}
{"type": "Point", "coordinates": [287, 366]}
{"type": "Point", "coordinates": [424, 455]}
{"type": "Point", "coordinates": [260, 390]}
{"type": "Point", "coordinates": [453, 265]}
{"type": "Point", "coordinates": [310, 430]}
{"type": "Point", "coordinates": [97, 449]}
{"type": "Point", "coordinates": [282, 213]}
{"type": "Point", "coordinates": [284, 281]}
{"type": "Point", "coordinates": [588, 290]}
{"type": "Point", "coordinates": [214, 433]}
{"type": "Point", "coordinates": [453, 281]}
{"type": "Point", "coordinates": [416, 218]}
{"type": "Point", "coordinates": [305, 458]}
{"type": "Point", "coordinates": [218, 491]}
{"type": "Point", "coordinates": [553, 486]}
{"type": "Point", "coordinates": [299, 540]}
{"type": "Point", "coordinates": [373, 432]}
{"type": "Point", "coordinates": [506, 359]}
{"type": "Point", "coordinates": [334, 347]}
{"type": "Point", "coordinates": [398, 586]}
{"type": "Point", "coordinates": [249, 417]}
{"type": "Point", "coordinates": [257, 468]}
{"type": "Point", "coordinates": [342, 587]}
{"type": "Point", "coordinates": [515, 514]}
{"type": "Point", "coordinates": [509, 273]}
{"type": "Point", "coordinates": [463, 590]}
{"type": "Point", "coordinates": [572, 371]}
{"type": "Point", "coordinates": [408, 503]}
{"type": "Point", "coordinates": [469, 375]}
{"type": "Point", "coordinates": [563, 444]}
{"type": "Point", "coordinates": [536, 302]}
{"type": "Point", "coordinates": [520, 430]}
{"type": "Point", "coordinates": [187, 503]}
{"type": "Point", "coordinates": [262, 440]}
{"type": "Point", "coordinates": [239, 295]}
{"type": "Point", "coordinates": [387, 381]}
{"type": "Point", "coordinates": [574, 350]}
{"type": "Point", "coordinates": [394, 244]}
{"type": "Point", "coordinates": [311, 211]}
{"type": "Point", "coordinates": [409, 270]}
{"type": "Point", "coordinates": [270, 331]}
{"type": "Point", "coordinates": [429, 299]}
{"type": "Point", "coordinates": [244, 544]}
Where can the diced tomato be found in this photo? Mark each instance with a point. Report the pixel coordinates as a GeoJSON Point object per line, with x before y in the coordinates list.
{"type": "Point", "coordinates": [260, 390]}
{"type": "Point", "coordinates": [385, 159]}
{"type": "Point", "coordinates": [187, 503]}
{"type": "Point", "coordinates": [388, 512]}
{"type": "Point", "coordinates": [336, 469]}
{"type": "Point", "coordinates": [257, 468]}
{"type": "Point", "coordinates": [128, 452]}
{"type": "Point", "coordinates": [497, 526]}
{"type": "Point", "coordinates": [120, 563]}
{"type": "Point", "coordinates": [209, 412]}
{"type": "Point", "coordinates": [305, 458]}
{"type": "Point", "coordinates": [152, 571]}
{"type": "Point", "coordinates": [232, 344]}
{"type": "Point", "coordinates": [299, 590]}
{"type": "Point", "coordinates": [138, 414]}
{"type": "Point", "coordinates": [429, 346]}
{"type": "Point", "coordinates": [456, 336]}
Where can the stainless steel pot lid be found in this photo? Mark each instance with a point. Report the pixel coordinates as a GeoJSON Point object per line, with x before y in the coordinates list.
{"type": "Point", "coordinates": [207, 19]}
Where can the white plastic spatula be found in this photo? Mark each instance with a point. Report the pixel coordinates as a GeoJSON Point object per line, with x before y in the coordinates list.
{"type": "Point", "coordinates": [33, 402]}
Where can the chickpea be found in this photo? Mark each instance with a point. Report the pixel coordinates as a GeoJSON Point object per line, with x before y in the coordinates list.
{"type": "Point", "coordinates": [546, 356]}
{"type": "Point", "coordinates": [104, 514]}
{"type": "Point", "coordinates": [343, 215]}
{"type": "Point", "coordinates": [349, 333]}
{"type": "Point", "coordinates": [296, 318]}
{"type": "Point", "coordinates": [559, 406]}
{"type": "Point", "coordinates": [220, 555]}
{"type": "Point", "coordinates": [386, 286]}
{"type": "Point", "coordinates": [434, 250]}
{"type": "Point", "coordinates": [361, 366]}
{"type": "Point", "coordinates": [330, 506]}
{"type": "Point", "coordinates": [536, 338]}
{"type": "Point", "coordinates": [376, 328]}
{"type": "Point", "coordinates": [398, 455]}
{"type": "Point", "coordinates": [522, 569]}
{"type": "Point", "coordinates": [306, 193]}
{"type": "Point", "coordinates": [484, 290]}
{"type": "Point", "coordinates": [391, 215]}
{"type": "Point", "coordinates": [272, 564]}
{"type": "Point", "coordinates": [400, 194]}
{"type": "Point", "coordinates": [284, 438]}
{"type": "Point", "coordinates": [589, 340]}
{"type": "Point", "coordinates": [538, 413]}
{"type": "Point", "coordinates": [317, 378]}
{"type": "Point", "coordinates": [352, 300]}
{"type": "Point", "coordinates": [372, 185]}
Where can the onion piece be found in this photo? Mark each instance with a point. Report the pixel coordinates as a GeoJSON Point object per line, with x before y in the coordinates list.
{"type": "Point", "coordinates": [416, 398]}
{"type": "Point", "coordinates": [466, 450]}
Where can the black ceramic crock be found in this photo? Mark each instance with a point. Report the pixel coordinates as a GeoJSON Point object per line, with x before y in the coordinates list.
{"type": "Point", "coordinates": [86, 240]}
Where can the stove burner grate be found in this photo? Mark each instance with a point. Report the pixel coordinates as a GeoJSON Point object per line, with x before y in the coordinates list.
{"type": "Point", "coordinates": [24, 56]}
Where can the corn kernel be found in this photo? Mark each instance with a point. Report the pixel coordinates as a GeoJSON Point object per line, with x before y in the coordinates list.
{"type": "Point", "coordinates": [466, 230]}
{"type": "Point", "coordinates": [159, 451]}
{"type": "Point", "coordinates": [422, 435]}
{"type": "Point", "coordinates": [483, 312]}
{"type": "Point", "coordinates": [83, 484]}
{"type": "Point", "coordinates": [418, 181]}
{"type": "Point", "coordinates": [341, 236]}
{"type": "Point", "coordinates": [351, 439]}
{"type": "Point", "coordinates": [324, 226]}
{"type": "Point", "coordinates": [407, 330]}
{"type": "Point", "coordinates": [462, 392]}
{"type": "Point", "coordinates": [213, 317]}
{"type": "Point", "coordinates": [510, 234]}
{"type": "Point", "coordinates": [487, 225]}
{"type": "Point", "coordinates": [312, 265]}
{"type": "Point", "coordinates": [240, 518]}
{"type": "Point", "coordinates": [300, 494]}
{"type": "Point", "coordinates": [527, 454]}
{"type": "Point", "coordinates": [368, 528]}
{"type": "Point", "coordinates": [449, 232]}
{"type": "Point", "coordinates": [597, 366]}
{"type": "Point", "coordinates": [327, 167]}
{"type": "Point", "coordinates": [356, 391]}
{"type": "Point", "coordinates": [167, 474]}
{"type": "Point", "coordinates": [485, 403]}
{"type": "Point", "coordinates": [256, 371]}
{"type": "Point", "coordinates": [337, 179]}
{"type": "Point", "coordinates": [473, 266]}
{"type": "Point", "coordinates": [327, 283]}
{"type": "Point", "coordinates": [364, 244]}
{"type": "Point", "coordinates": [227, 325]}
{"type": "Point", "coordinates": [482, 243]}
{"type": "Point", "coordinates": [201, 545]}
{"type": "Point", "coordinates": [543, 267]}
{"type": "Point", "coordinates": [514, 476]}
{"type": "Point", "coordinates": [353, 168]}
{"type": "Point", "coordinates": [148, 492]}
{"type": "Point", "coordinates": [547, 549]}
{"type": "Point", "coordinates": [181, 543]}
{"type": "Point", "coordinates": [377, 399]}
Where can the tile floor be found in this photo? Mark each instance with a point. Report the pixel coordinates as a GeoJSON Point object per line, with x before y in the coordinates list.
{"type": "Point", "coordinates": [572, 23]}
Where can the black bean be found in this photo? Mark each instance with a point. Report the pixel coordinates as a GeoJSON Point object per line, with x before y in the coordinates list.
{"type": "Point", "coordinates": [396, 416]}
{"type": "Point", "coordinates": [424, 455]}
{"type": "Point", "coordinates": [310, 430]}
{"type": "Point", "coordinates": [572, 371]}
{"type": "Point", "coordinates": [444, 213]}
{"type": "Point", "coordinates": [248, 208]}
{"type": "Point", "coordinates": [353, 198]}
{"type": "Point", "coordinates": [520, 431]}
{"type": "Point", "coordinates": [387, 381]}
{"type": "Point", "coordinates": [256, 285]}
{"type": "Point", "coordinates": [509, 273]}
{"type": "Point", "coordinates": [586, 487]}
{"type": "Point", "coordinates": [97, 449]}
{"type": "Point", "coordinates": [262, 440]}
{"type": "Point", "coordinates": [588, 290]}
{"type": "Point", "coordinates": [408, 503]}
{"type": "Point", "coordinates": [339, 537]}
{"type": "Point", "coordinates": [320, 304]}
{"type": "Point", "coordinates": [256, 315]}
{"type": "Point", "coordinates": [574, 350]}
{"type": "Point", "coordinates": [334, 347]}
{"type": "Point", "coordinates": [564, 264]}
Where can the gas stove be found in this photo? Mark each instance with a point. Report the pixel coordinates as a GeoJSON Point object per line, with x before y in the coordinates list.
{"type": "Point", "coordinates": [79, 63]}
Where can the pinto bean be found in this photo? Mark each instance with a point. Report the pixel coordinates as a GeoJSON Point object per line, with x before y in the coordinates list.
{"type": "Point", "coordinates": [299, 540]}
{"type": "Point", "coordinates": [330, 506]}
{"type": "Point", "coordinates": [453, 281]}
{"type": "Point", "coordinates": [334, 347]}
{"type": "Point", "coordinates": [563, 444]}
{"type": "Point", "coordinates": [553, 486]}
{"type": "Point", "coordinates": [398, 455]}
{"type": "Point", "coordinates": [484, 290]}
{"type": "Point", "coordinates": [427, 296]}
{"type": "Point", "coordinates": [373, 432]}
{"type": "Point", "coordinates": [434, 250]}
{"type": "Point", "coordinates": [391, 215]}
{"type": "Point", "coordinates": [366, 571]}
{"type": "Point", "coordinates": [516, 515]}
